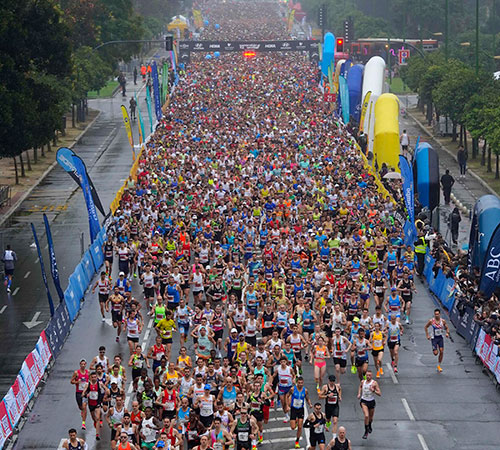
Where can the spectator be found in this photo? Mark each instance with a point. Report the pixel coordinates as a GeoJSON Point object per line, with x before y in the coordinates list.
{"type": "Point", "coordinates": [404, 140]}
{"type": "Point", "coordinates": [455, 219]}
{"type": "Point", "coordinates": [447, 182]}
{"type": "Point", "coordinates": [462, 160]}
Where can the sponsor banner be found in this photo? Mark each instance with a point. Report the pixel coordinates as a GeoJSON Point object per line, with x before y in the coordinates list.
{"type": "Point", "coordinates": [429, 264]}
{"type": "Point", "coordinates": [128, 128]}
{"type": "Point", "coordinates": [20, 393]}
{"type": "Point", "coordinates": [447, 293]}
{"type": "Point", "coordinates": [53, 263]}
{"type": "Point", "coordinates": [72, 301]}
{"type": "Point", "coordinates": [5, 426]}
{"type": "Point", "coordinates": [156, 91]}
{"type": "Point", "coordinates": [409, 195]}
{"type": "Point", "coordinates": [97, 255]}
{"type": "Point", "coordinates": [490, 272]}
{"type": "Point", "coordinates": [88, 267]}
{"type": "Point", "coordinates": [28, 379]}
{"type": "Point", "coordinates": [234, 46]}
{"type": "Point", "coordinates": [57, 329]}
{"type": "Point", "coordinates": [42, 268]}
{"type": "Point", "coordinates": [43, 349]}
{"type": "Point", "coordinates": [65, 159]}
{"type": "Point", "coordinates": [35, 366]}
{"type": "Point", "coordinates": [488, 353]}
{"type": "Point", "coordinates": [12, 407]}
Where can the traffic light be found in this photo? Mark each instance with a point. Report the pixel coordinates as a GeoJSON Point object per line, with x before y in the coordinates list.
{"type": "Point", "coordinates": [169, 43]}
{"type": "Point", "coordinates": [340, 45]}
{"type": "Point", "coordinates": [348, 31]}
{"type": "Point", "coordinates": [321, 15]}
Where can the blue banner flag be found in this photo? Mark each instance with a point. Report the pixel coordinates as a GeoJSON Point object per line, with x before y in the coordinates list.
{"type": "Point", "coordinates": [72, 163]}
{"type": "Point", "coordinates": [53, 264]}
{"type": "Point", "coordinates": [42, 267]}
{"type": "Point", "coordinates": [156, 91]}
{"type": "Point", "coordinates": [409, 194]}
{"type": "Point", "coordinates": [63, 157]}
{"type": "Point", "coordinates": [150, 113]}
{"type": "Point", "coordinates": [490, 272]}
{"type": "Point", "coordinates": [344, 99]}
{"type": "Point", "coordinates": [142, 134]}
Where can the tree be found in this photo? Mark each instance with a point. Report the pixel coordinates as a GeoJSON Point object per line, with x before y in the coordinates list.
{"type": "Point", "coordinates": [33, 68]}
{"type": "Point", "coordinates": [453, 91]}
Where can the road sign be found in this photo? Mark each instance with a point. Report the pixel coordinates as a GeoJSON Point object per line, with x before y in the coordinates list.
{"type": "Point", "coordinates": [330, 97]}
{"type": "Point", "coordinates": [403, 56]}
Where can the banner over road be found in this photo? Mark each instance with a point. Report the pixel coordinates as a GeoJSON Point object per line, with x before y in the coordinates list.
{"type": "Point", "coordinates": [186, 47]}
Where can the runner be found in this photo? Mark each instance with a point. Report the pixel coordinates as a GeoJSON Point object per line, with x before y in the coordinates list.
{"type": "Point", "coordinates": [341, 347]}
{"type": "Point", "coordinates": [366, 393]}
{"type": "Point", "coordinates": [340, 442]}
{"type": "Point", "coordinates": [296, 398]}
{"type": "Point", "coordinates": [104, 288]}
{"type": "Point", "coordinates": [332, 393]}
{"type": "Point", "coordinates": [393, 331]}
{"type": "Point", "coordinates": [9, 260]}
{"type": "Point", "coordinates": [406, 287]}
{"type": "Point", "coordinates": [439, 327]}
{"type": "Point", "coordinates": [80, 379]}
{"type": "Point", "coordinates": [244, 431]}
{"type": "Point", "coordinates": [93, 393]}
{"type": "Point", "coordinates": [319, 355]}
{"type": "Point", "coordinates": [115, 302]}
{"type": "Point", "coordinates": [378, 341]}
{"type": "Point", "coordinates": [74, 442]}
{"type": "Point", "coordinates": [316, 423]}
{"type": "Point", "coordinates": [285, 379]}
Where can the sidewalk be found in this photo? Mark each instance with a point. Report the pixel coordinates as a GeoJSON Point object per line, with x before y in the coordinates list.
{"type": "Point", "coordinates": [39, 170]}
{"type": "Point", "coordinates": [466, 190]}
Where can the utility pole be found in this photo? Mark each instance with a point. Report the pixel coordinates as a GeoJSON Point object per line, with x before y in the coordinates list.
{"type": "Point", "coordinates": [446, 30]}
{"type": "Point", "coordinates": [477, 37]}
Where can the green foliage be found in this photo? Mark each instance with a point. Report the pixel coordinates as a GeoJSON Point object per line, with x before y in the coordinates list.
{"type": "Point", "coordinates": [33, 68]}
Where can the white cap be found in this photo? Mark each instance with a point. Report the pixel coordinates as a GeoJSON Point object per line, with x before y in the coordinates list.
{"type": "Point", "coordinates": [234, 330]}
{"type": "Point", "coordinates": [121, 274]}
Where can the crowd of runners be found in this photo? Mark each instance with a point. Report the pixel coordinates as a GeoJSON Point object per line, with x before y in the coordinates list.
{"type": "Point", "coordinates": [262, 247]}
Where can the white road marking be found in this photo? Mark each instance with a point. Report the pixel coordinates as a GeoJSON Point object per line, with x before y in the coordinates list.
{"type": "Point", "coordinates": [391, 373]}
{"type": "Point", "coordinates": [146, 336]}
{"type": "Point", "coordinates": [130, 388]}
{"type": "Point", "coordinates": [408, 410]}
{"type": "Point", "coordinates": [36, 260]}
{"type": "Point", "coordinates": [4, 307]}
{"type": "Point", "coordinates": [46, 246]}
{"type": "Point", "coordinates": [277, 430]}
{"type": "Point", "coordinates": [33, 322]}
{"type": "Point", "coordinates": [275, 441]}
{"type": "Point", "coordinates": [16, 290]}
{"type": "Point", "coordinates": [27, 274]}
{"type": "Point", "coordinates": [422, 442]}
{"type": "Point", "coordinates": [150, 324]}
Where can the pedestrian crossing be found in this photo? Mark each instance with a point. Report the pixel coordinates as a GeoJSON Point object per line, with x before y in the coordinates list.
{"type": "Point", "coordinates": [278, 434]}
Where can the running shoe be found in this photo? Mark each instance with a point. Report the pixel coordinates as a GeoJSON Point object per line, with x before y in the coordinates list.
{"type": "Point", "coordinates": [328, 424]}
{"type": "Point", "coordinates": [370, 428]}
{"type": "Point", "coordinates": [297, 445]}
{"type": "Point", "coordinates": [353, 369]}
{"type": "Point", "coordinates": [378, 374]}
{"type": "Point", "coordinates": [103, 319]}
{"type": "Point", "coordinates": [135, 275]}
{"type": "Point", "coordinates": [395, 369]}
{"type": "Point", "coordinates": [285, 419]}
{"type": "Point", "coordinates": [117, 339]}
{"type": "Point", "coordinates": [83, 426]}
{"type": "Point", "coordinates": [8, 290]}
{"type": "Point", "coordinates": [278, 404]}
{"type": "Point", "coordinates": [439, 369]}
{"type": "Point", "coordinates": [407, 320]}
{"type": "Point", "coordinates": [381, 371]}
{"type": "Point", "coordinates": [254, 447]}
{"type": "Point", "coordinates": [261, 439]}
{"type": "Point", "coordinates": [97, 438]}
{"type": "Point", "coordinates": [365, 436]}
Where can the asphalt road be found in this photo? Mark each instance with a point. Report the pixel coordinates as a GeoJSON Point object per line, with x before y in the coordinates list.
{"type": "Point", "coordinates": [107, 154]}
{"type": "Point", "coordinates": [419, 409]}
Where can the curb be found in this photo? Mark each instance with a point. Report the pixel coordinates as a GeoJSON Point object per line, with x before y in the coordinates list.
{"type": "Point", "coordinates": [23, 197]}
{"type": "Point", "coordinates": [474, 175]}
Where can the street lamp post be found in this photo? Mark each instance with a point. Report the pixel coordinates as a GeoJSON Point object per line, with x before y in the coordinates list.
{"type": "Point", "coordinates": [446, 30]}
{"type": "Point", "coordinates": [477, 37]}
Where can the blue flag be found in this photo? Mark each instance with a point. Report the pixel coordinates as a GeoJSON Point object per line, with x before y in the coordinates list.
{"type": "Point", "coordinates": [72, 163]}
{"type": "Point", "coordinates": [42, 267]}
{"type": "Point", "coordinates": [490, 272]}
{"type": "Point", "coordinates": [408, 193]}
{"type": "Point", "coordinates": [344, 99]}
{"type": "Point", "coordinates": [156, 91]}
{"type": "Point", "coordinates": [53, 264]}
{"type": "Point", "coordinates": [150, 113]}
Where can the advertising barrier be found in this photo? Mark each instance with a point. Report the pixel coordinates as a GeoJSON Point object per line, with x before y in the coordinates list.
{"type": "Point", "coordinates": [488, 353]}
{"type": "Point", "coordinates": [43, 349]}
{"type": "Point", "coordinates": [465, 324]}
{"type": "Point", "coordinates": [57, 329]}
{"type": "Point", "coordinates": [28, 379]}
{"type": "Point", "coordinates": [13, 410]}
{"type": "Point", "coordinates": [20, 394]}
{"type": "Point", "coordinates": [72, 302]}
{"type": "Point", "coordinates": [5, 426]}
